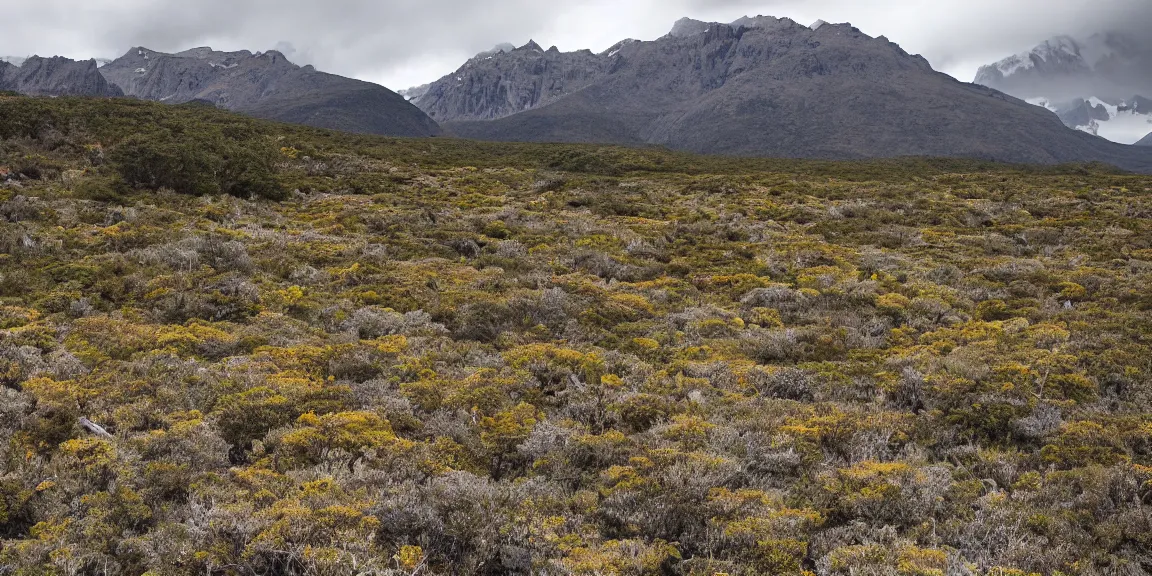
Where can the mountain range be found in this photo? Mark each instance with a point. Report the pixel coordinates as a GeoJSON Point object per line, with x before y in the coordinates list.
{"type": "Point", "coordinates": [261, 84]}
{"type": "Point", "coordinates": [759, 86]}
{"type": "Point", "coordinates": [267, 85]}
{"type": "Point", "coordinates": [1096, 84]}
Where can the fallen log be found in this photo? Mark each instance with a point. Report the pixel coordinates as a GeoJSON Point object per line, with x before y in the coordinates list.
{"type": "Point", "coordinates": [94, 428]}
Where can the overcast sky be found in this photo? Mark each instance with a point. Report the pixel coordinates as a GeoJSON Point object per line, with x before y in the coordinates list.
{"type": "Point", "coordinates": [400, 43]}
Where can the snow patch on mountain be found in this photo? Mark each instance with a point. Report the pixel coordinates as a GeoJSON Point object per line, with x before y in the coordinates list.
{"type": "Point", "coordinates": [1125, 124]}
{"type": "Point", "coordinates": [1092, 128]}
{"type": "Point", "coordinates": [1014, 64]}
{"type": "Point", "coordinates": [1061, 55]}
{"type": "Point", "coordinates": [619, 46]}
{"type": "Point", "coordinates": [1123, 121]}
{"type": "Point", "coordinates": [1126, 127]}
{"type": "Point", "coordinates": [1112, 109]}
{"type": "Point", "coordinates": [1043, 103]}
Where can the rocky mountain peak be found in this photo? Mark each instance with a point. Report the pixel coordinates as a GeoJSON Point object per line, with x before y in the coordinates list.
{"type": "Point", "coordinates": [276, 57]}
{"type": "Point", "coordinates": [269, 85]}
{"type": "Point", "coordinates": [765, 22]}
{"type": "Point", "coordinates": [56, 76]}
{"type": "Point", "coordinates": [618, 47]}
{"type": "Point", "coordinates": [685, 27]}
{"type": "Point", "coordinates": [496, 85]}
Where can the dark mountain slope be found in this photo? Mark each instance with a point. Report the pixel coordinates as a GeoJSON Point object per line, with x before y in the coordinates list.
{"type": "Point", "coordinates": [268, 85]}
{"type": "Point", "coordinates": [55, 76]}
{"type": "Point", "coordinates": [783, 89]}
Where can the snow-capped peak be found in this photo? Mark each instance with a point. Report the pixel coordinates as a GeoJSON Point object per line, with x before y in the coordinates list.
{"type": "Point", "coordinates": [1015, 63]}
{"type": "Point", "coordinates": [1059, 54]}
{"type": "Point", "coordinates": [1059, 50]}
{"type": "Point", "coordinates": [1112, 109]}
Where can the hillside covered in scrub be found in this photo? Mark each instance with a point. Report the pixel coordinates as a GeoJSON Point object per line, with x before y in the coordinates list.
{"type": "Point", "coordinates": [234, 347]}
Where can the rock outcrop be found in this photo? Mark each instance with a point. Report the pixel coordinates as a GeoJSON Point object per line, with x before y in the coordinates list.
{"type": "Point", "coordinates": [56, 76]}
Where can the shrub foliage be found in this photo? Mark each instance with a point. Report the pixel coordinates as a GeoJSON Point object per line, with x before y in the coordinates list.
{"type": "Point", "coordinates": [449, 357]}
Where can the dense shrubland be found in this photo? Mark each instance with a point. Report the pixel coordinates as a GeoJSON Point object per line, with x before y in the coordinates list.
{"type": "Point", "coordinates": [317, 353]}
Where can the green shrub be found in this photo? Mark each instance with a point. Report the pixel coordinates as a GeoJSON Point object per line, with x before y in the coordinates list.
{"type": "Point", "coordinates": [199, 164]}
{"type": "Point", "coordinates": [101, 189]}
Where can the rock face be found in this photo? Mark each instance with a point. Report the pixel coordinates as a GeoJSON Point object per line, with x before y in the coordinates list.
{"type": "Point", "coordinates": [1090, 83]}
{"type": "Point", "coordinates": [55, 76]}
{"type": "Point", "coordinates": [1083, 113]}
{"type": "Point", "coordinates": [685, 27]}
{"type": "Point", "coordinates": [506, 80]}
{"type": "Point", "coordinates": [267, 85]}
{"type": "Point", "coordinates": [497, 84]}
{"type": "Point", "coordinates": [764, 87]}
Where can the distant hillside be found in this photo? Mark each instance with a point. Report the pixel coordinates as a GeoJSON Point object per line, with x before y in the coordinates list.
{"type": "Point", "coordinates": [758, 87]}
{"type": "Point", "coordinates": [267, 85]}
